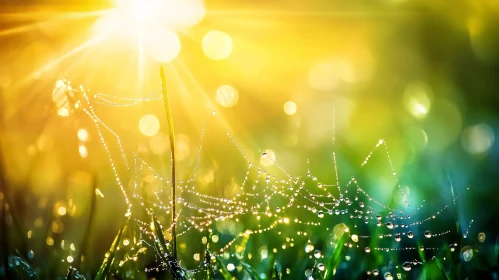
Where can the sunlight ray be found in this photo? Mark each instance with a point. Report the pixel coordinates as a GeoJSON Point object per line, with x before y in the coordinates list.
{"type": "Point", "coordinates": [22, 28]}
{"type": "Point", "coordinates": [44, 19]}
{"type": "Point", "coordinates": [52, 15]}
{"type": "Point", "coordinates": [304, 13]}
{"type": "Point", "coordinates": [209, 101]}
{"type": "Point", "coordinates": [92, 41]}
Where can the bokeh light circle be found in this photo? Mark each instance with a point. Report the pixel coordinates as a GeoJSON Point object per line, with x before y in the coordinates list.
{"type": "Point", "coordinates": [321, 77]}
{"type": "Point", "coordinates": [189, 12]}
{"type": "Point", "coordinates": [327, 75]}
{"type": "Point", "coordinates": [83, 134]}
{"type": "Point", "coordinates": [217, 45]}
{"type": "Point", "coordinates": [227, 96]}
{"type": "Point", "coordinates": [467, 253]}
{"type": "Point", "coordinates": [182, 147]}
{"type": "Point", "coordinates": [60, 99]}
{"type": "Point", "coordinates": [290, 108]}
{"type": "Point", "coordinates": [445, 124]}
{"type": "Point", "coordinates": [417, 99]}
{"type": "Point", "coordinates": [159, 144]}
{"type": "Point", "coordinates": [477, 139]}
{"type": "Point", "coordinates": [481, 237]}
{"type": "Point", "coordinates": [163, 45]}
{"type": "Point", "coordinates": [149, 125]}
{"type": "Point", "coordinates": [268, 158]}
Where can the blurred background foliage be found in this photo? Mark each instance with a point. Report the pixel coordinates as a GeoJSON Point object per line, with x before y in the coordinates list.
{"type": "Point", "coordinates": [420, 74]}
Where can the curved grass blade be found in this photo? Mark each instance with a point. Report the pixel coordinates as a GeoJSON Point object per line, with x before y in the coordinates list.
{"type": "Point", "coordinates": [335, 252]}
{"type": "Point", "coordinates": [73, 274]}
{"type": "Point", "coordinates": [108, 260]}
{"type": "Point", "coordinates": [207, 263]}
{"type": "Point", "coordinates": [171, 133]}
{"type": "Point", "coordinates": [160, 237]}
{"type": "Point", "coordinates": [162, 246]}
{"type": "Point", "coordinates": [223, 270]}
{"type": "Point", "coordinates": [276, 274]}
{"type": "Point", "coordinates": [91, 215]}
{"type": "Point", "coordinates": [251, 271]}
{"type": "Point", "coordinates": [20, 269]}
{"type": "Point", "coordinates": [442, 270]}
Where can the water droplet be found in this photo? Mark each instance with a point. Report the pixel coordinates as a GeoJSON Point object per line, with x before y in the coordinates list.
{"type": "Point", "coordinates": [481, 237]}
{"type": "Point", "coordinates": [467, 253]}
{"type": "Point", "coordinates": [378, 217]}
{"type": "Point", "coordinates": [410, 234]}
{"type": "Point", "coordinates": [397, 237]}
{"type": "Point", "coordinates": [308, 272]}
{"type": "Point", "coordinates": [389, 225]}
{"type": "Point", "coordinates": [309, 247]}
{"type": "Point", "coordinates": [388, 276]}
{"type": "Point", "coordinates": [368, 250]}
{"type": "Point", "coordinates": [375, 272]}
{"type": "Point", "coordinates": [277, 209]}
{"type": "Point", "coordinates": [427, 234]}
{"type": "Point", "coordinates": [320, 214]}
{"type": "Point", "coordinates": [317, 254]}
{"type": "Point", "coordinates": [361, 204]}
{"type": "Point", "coordinates": [321, 266]}
{"type": "Point", "coordinates": [421, 248]}
{"type": "Point", "coordinates": [355, 238]}
{"type": "Point", "coordinates": [407, 266]}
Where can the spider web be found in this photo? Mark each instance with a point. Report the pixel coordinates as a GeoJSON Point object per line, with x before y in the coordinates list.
{"type": "Point", "coordinates": [296, 209]}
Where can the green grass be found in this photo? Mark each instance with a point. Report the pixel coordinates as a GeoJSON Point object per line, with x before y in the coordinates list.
{"type": "Point", "coordinates": [110, 255]}
{"type": "Point", "coordinates": [334, 249]}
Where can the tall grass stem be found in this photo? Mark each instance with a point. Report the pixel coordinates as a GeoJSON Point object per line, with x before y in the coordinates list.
{"type": "Point", "coordinates": [172, 148]}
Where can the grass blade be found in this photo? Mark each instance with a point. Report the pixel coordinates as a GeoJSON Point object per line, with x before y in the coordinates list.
{"type": "Point", "coordinates": [21, 269]}
{"type": "Point", "coordinates": [73, 274]}
{"type": "Point", "coordinates": [171, 133]}
{"type": "Point", "coordinates": [251, 271]}
{"type": "Point", "coordinates": [223, 270]}
{"type": "Point", "coordinates": [89, 222]}
{"type": "Point", "coordinates": [162, 246]}
{"type": "Point", "coordinates": [159, 236]}
{"type": "Point", "coordinates": [442, 270]}
{"type": "Point", "coordinates": [276, 275]}
{"type": "Point", "coordinates": [339, 238]}
{"type": "Point", "coordinates": [108, 260]}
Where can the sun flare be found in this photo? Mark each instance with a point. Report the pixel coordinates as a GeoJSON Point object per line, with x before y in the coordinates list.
{"type": "Point", "coordinates": [136, 15]}
{"type": "Point", "coordinates": [150, 25]}
{"type": "Point", "coordinates": [138, 11]}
